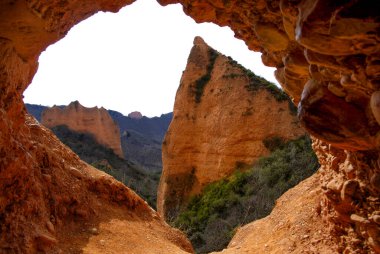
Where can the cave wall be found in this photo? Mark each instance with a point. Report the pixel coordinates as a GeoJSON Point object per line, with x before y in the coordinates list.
{"type": "Point", "coordinates": [50, 200]}
{"type": "Point", "coordinates": [326, 55]}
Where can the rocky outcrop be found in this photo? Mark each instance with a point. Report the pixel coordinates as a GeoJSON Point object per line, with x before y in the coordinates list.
{"type": "Point", "coordinates": [135, 115]}
{"type": "Point", "coordinates": [141, 139]}
{"type": "Point", "coordinates": [326, 55]}
{"type": "Point", "coordinates": [52, 202]}
{"type": "Point", "coordinates": [223, 116]}
{"type": "Point", "coordinates": [95, 121]}
{"type": "Point", "coordinates": [332, 46]}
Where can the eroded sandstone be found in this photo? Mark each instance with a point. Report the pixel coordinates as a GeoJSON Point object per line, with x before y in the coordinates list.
{"type": "Point", "coordinates": [52, 202]}
{"type": "Point", "coordinates": [49, 199]}
{"type": "Point", "coordinates": [222, 116]}
{"type": "Point", "coordinates": [330, 68]}
{"type": "Point", "coordinates": [334, 43]}
{"type": "Point", "coordinates": [95, 121]}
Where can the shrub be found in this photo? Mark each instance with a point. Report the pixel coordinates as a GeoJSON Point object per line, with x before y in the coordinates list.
{"type": "Point", "coordinates": [256, 83]}
{"type": "Point", "coordinates": [273, 143]}
{"type": "Point", "coordinates": [245, 196]}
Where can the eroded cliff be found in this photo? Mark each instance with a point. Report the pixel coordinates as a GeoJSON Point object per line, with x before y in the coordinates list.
{"type": "Point", "coordinates": [52, 202]}
{"type": "Point", "coordinates": [95, 121]}
{"type": "Point", "coordinates": [332, 46]}
{"type": "Point", "coordinates": [223, 114]}
{"type": "Point", "coordinates": [326, 55]}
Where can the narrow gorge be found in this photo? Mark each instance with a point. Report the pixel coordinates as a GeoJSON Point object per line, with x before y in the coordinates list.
{"type": "Point", "coordinates": [326, 55]}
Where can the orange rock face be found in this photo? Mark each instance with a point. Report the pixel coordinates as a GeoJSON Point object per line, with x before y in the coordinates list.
{"type": "Point", "coordinates": [51, 202]}
{"type": "Point", "coordinates": [218, 129]}
{"type": "Point", "coordinates": [95, 121]}
{"type": "Point", "coordinates": [327, 58]}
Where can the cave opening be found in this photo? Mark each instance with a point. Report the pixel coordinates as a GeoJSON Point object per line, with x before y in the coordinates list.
{"type": "Point", "coordinates": [132, 60]}
{"type": "Point", "coordinates": [93, 63]}
{"type": "Point", "coordinates": [105, 62]}
{"type": "Point", "coordinates": [52, 202]}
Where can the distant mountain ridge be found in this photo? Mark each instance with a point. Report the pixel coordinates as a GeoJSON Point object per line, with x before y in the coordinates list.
{"type": "Point", "coordinates": [103, 158]}
{"type": "Point", "coordinates": [141, 138]}
{"type": "Point", "coordinates": [154, 127]}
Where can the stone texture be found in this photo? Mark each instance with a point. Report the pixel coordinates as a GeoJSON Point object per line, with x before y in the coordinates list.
{"type": "Point", "coordinates": [41, 180]}
{"type": "Point", "coordinates": [340, 43]}
{"type": "Point", "coordinates": [50, 199]}
{"type": "Point", "coordinates": [210, 137]}
{"type": "Point", "coordinates": [334, 72]}
{"type": "Point", "coordinates": [95, 121]}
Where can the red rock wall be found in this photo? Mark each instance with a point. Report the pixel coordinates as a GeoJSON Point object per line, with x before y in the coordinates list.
{"type": "Point", "coordinates": [327, 58]}
{"type": "Point", "coordinates": [50, 201]}
{"type": "Point", "coordinates": [222, 128]}
{"type": "Point", "coordinates": [88, 120]}
{"type": "Point", "coordinates": [326, 55]}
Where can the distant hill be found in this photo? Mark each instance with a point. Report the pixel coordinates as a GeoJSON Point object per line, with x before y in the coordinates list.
{"type": "Point", "coordinates": [103, 158]}
{"type": "Point", "coordinates": [154, 128]}
{"type": "Point", "coordinates": [35, 110]}
{"type": "Point", "coordinates": [94, 120]}
{"type": "Point", "coordinates": [141, 138]}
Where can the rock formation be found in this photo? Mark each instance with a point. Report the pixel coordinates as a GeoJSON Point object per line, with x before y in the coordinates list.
{"type": "Point", "coordinates": [141, 139]}
{"type": "Point", "coordinates": [95, 121]}
{"type": "Point", "coordinates": [327, 58]}
{"type": "Point", "coordinates": [218, 127]}
{"type": "Point", "coordinates": [301, 232]}
{"type": "Point", "coordinates": [135, 115]}
{"type": "Point", "coordinates": [61, 204]}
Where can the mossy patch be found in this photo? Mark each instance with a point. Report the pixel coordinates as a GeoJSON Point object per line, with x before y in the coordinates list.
{"type": "Point", "coordinates": [202, 81]}
{"type": "Point", "coordinates": [256, 83]}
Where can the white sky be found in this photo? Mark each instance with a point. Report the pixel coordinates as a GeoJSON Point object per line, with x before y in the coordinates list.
{"type": "Point", "coordinates": [132, 60]}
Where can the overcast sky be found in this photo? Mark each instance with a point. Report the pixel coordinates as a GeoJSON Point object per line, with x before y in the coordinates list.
{"type": "Point", "coordinates": [131, 60]}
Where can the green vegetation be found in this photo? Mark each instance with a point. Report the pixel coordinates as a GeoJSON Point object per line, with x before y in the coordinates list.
{"type": "Point", "coordinates": [210, 219]}
{"type": "Point", "coordinates": [85, 145]}
{"type": "Point", "coordinates": [257, 82]}
{"type": "Point", "coordinates": [274, 143]}
{"type": "Point", "coordinates": [202, 81]}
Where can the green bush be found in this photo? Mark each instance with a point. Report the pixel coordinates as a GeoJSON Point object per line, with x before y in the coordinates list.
{"type": "Point", "coordinates": [210, 219]}
{"type": "Point", "coordinates": [274, 143]}
{"type": "Point", "coordinates": [256, 83]}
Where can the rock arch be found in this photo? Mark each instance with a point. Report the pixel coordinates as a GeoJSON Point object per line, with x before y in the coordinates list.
{"type": "Point", "coordinates": [327, 58]}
